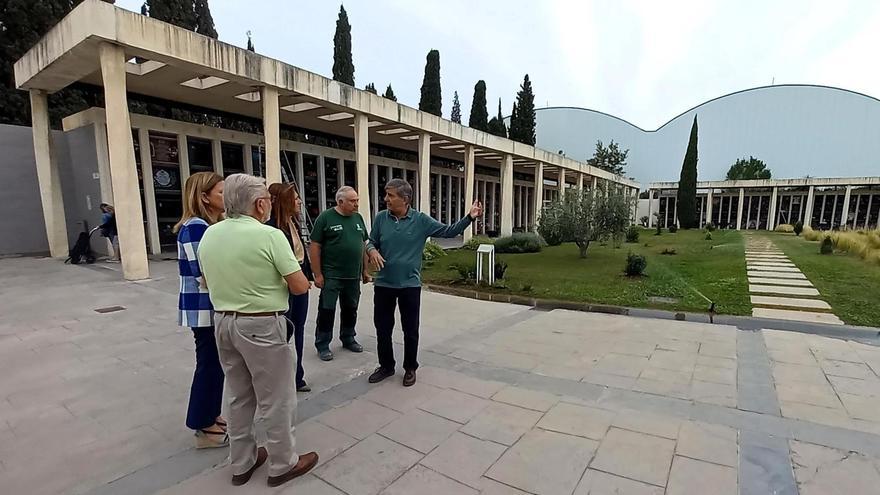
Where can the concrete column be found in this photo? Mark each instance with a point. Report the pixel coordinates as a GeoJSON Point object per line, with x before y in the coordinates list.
{"type": "Point", "coordinates": [709, 199]}
{"type": "Point", "coordinates": [561, 180]}
{"type": "Point", "coordinates": [539, 193]}
{"type": "Point", "coordinates": [739, 209]}
{"type": "Point", "coordinates": [492, 201]}
{"type": "Point", "coordinates": [217, 157]}
{"type": "Point", "coordinates": [594, 186]}
{"type": "Point", "coordinates": [300, 175]}
{"type": "Point", "coordinates": [845, 215]}
{"type": "Point", "coordinates": [374, 191]}
{"type": "Point", "coordinates": [149, 191]}
{"type": "Point", "coordinates": [580, 182]}
{"type": "Point", "coordinates": [811, 198]}
{"type": "Point", "coordinates": [507, 195]}
{"type": "Point", "coordinates": [868, 213]}
{"type": "Point", "coordinates": [425, 174]}
{"type": "Point", "coordinates": [123, 172]}
{"type": "Point", "coordinates": [438, 196]}
{"type": "Point", "coordinates": [272, 135]}
{"type": "Point", "coordinates": [248, 159]}
{"type": "Point", "coordinates": [468, 185]}
{"type": "Point", "coordinates": [650, 208]}
{"type": "Point", "coordinates": [104, 163]}
{"type": "Point", "coordinates": [675, 213]}
{"type": "Point", "coordinates": [700, 215]}
{"type": "Point", "coordinates": [183, 159]}
{"type": "Point", "coordinates": [49, 177]}
{"type": "Point", "coordinates": [362, 158]}
{"type": "Point", "coordinates": [449, 209]}
{"type": "Point", "coordinates": [485, 205]}
{"type": "Point", "coordinates": [459, 197]}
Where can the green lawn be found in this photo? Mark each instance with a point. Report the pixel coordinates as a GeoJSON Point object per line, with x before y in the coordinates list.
{"type": "Point", "coordinates": [715, 268]}
{"type": "Point", "coordinates": [849, 284]}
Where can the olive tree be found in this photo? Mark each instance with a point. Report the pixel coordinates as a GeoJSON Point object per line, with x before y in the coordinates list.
{"type": "Point", "coordinates": [584, 217]}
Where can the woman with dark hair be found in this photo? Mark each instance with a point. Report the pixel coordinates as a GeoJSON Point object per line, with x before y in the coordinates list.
{"type": "Point", "coordinates": [286, 216]}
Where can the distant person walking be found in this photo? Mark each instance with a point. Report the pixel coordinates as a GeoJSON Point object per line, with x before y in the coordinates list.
{"type": "Point", "coordinates": [396, 244]}
{"type": "Point", "coordinates": [337, 250]}
{"type": "Point", "coordinates": [286, 216]}
{"type": "Point", "coordinates": [108, 230]}
{"type": "Point", "coordinates": [250, 271]}
{"type": "Point", "coordinates": [202, 207]}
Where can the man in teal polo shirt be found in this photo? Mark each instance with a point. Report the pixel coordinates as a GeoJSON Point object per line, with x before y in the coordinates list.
{"type": "Point", "coordinates": [250, 269]}
{"type": "Point", "coordinates": [396, 244]}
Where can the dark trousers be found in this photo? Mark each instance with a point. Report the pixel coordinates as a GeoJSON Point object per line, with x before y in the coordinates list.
{"type": "Point", "coordinates": [408, 300]}
{"type": "Point", "coordinates": [206, 393]}
{"type": "Point", "coordinates": [296, 326]}
{"type": "Point", "coordinates": [348, 293]}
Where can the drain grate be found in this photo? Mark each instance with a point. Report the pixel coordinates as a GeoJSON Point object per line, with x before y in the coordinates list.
{"type": "Point", "coordinates": [110, 309]}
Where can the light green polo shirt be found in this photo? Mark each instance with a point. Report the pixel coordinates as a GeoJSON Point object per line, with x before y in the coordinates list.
{"type": "Point", "coordinates": [244, 263]}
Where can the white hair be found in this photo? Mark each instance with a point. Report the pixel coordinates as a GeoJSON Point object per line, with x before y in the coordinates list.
{"type": "Point", "coordinates": [342, 191]}
{"type": "Point", "coordinates": [240, 192]}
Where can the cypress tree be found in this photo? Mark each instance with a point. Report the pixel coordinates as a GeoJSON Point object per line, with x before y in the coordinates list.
{"type": "Point", "coordinates": [513, 132]}
{"type": "Point", "coordinates": [479, 113]}
{"type": "Point", "coordinates": [431, 99]}
{"type": "Point", "coordinates": [497, 125]}
{"type": "Point", "coordinates": [371, 88]}
{"type": "Point", "coordinates": [456, 109]}
{"type": "Point", "coordinates": [389, 93]}
{"type": "Point", "coordinates": [525, 107]}
{"type": "Point", "coordinates": [204, 20]}
{"type": "Point", "coordinates": [687, 184]}
{"type": "Point", "coordinates": [23, 24]}
{"type": "Point", "coordinates": [178, 12]}
{"type": "Point", "coordinates": [343, 67]}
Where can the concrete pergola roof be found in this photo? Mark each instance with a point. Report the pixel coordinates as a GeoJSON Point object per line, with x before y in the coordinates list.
{"type": "Point", "coordinates": [768, 183]}
{"type": "Point", "coordinates": [186, 67]}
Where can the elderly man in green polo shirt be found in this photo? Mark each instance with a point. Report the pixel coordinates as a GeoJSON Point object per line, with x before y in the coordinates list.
{"type": "Point", "coordinates": [396, 244]}
{"type": "Point", "coordinates": [249, 269]}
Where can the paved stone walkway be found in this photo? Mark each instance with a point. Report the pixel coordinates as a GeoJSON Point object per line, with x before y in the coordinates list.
{"type": "Point", "coordinates": [509, 401]}
{"type": "Point", "coordinates": [779, 289]}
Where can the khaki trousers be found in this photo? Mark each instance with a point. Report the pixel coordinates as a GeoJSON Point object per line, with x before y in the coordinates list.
{"type": "Point", "coordinates": [259, 366]}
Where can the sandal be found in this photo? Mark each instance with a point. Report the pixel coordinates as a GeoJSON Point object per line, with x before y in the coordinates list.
{"type": "Point", "coordinates": [211, 439]}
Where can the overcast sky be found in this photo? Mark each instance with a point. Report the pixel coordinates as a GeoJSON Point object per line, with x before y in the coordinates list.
{"type": "Point", "coordinates": [642, 61]}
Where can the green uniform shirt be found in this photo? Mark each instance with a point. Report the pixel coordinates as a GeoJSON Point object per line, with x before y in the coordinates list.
{"type": "Point", "coordinates": [401, 242]}
{"type": "Point", "coordinates": [342, 244]}
{"type": "Point", "coordinates": [245, 263]}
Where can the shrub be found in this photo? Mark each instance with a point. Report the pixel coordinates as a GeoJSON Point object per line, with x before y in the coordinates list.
{"type": "Point", "coordinates": [466, 272]}
{"type": "Point", "coordinates": [673, 229]}
{"type": "Point", "coordinates": [644, 221]}
{"type": "Point", "coordinates": [669, 252]}
{"type": "Point", "coordinates": [711, 227]}
{"type": "Point", "coordinates": [798, 228]}
{"type": "Point", "coordinates": [632, 234]}
{"type": "Point", "coordinates": [708, 236]}
{"type": "Point", "coordinates": [475, 242]}
{"type": "Point", "coordinates": [657, 216]}
{"type": "Point", "coordinates": [784, 227]}
{"type": "Point", "coordinates": [827, 245]}
{"type": "Point", "coordinates": [432, 251]}
{"type": "Point", "coordinates": [518, 243]}
{"type": "Point", "coordinates": [812, 235]}
{"type": "Point", "coordinates": [635, 265]}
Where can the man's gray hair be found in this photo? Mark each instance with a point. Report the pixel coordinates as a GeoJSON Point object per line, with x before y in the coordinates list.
{"type": "Point", "coordinates": [341, 192]}
{"type": "Point", "coordinates": [240, 192]}
{"type": "Point", "coordinates": [402, 188]}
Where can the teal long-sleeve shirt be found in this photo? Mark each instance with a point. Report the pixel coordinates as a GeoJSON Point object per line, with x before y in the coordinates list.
{"type": "Point", "coordinates": [401, 242]}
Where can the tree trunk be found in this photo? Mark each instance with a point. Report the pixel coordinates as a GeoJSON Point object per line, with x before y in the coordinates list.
{"type": "Point", "coordinates": [582, 246]}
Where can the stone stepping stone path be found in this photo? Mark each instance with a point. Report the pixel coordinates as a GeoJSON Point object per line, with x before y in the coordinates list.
{"type": "Point", "coordinates": [778, 289]}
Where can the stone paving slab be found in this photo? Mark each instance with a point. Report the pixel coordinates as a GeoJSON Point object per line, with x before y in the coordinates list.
{"type": "Point", "coordinates": [771, 268]}
{"type": "Point", "coordinates": [785, 314]}
{"type": "Point", "coordinates": [772, 274]}
{"type": "Point", "coordinates": [776, 289]}
{"type": "Point", "coordinates": [790, 302]}
{"type": "Point", "coordinates": [780, 281]}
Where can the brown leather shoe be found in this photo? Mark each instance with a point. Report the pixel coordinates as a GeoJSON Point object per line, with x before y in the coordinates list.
{"type": "Point", "coordinates": [305, 464]}
{"type": "Point", "coordinates": [409, 378]}
{"type": "Point", "coordinates": [240, 479]}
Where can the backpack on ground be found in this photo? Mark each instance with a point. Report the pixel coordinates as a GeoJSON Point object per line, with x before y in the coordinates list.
{"type": "Point", "coordinates": [81, 252]}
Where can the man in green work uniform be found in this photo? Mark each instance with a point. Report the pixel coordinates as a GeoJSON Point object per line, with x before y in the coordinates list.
{"type": "Point", "coordinates": [337, 256]}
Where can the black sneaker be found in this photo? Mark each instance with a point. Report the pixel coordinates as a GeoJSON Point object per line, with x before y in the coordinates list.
{"type": "Point", "coordinates": [325, 355]}
{"type": "Point", "coordinates": [353, 346]}
{"type": "Point", "coordinates": [380, 374]}
{"type": "Point", "coordinates": [304, 387]}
